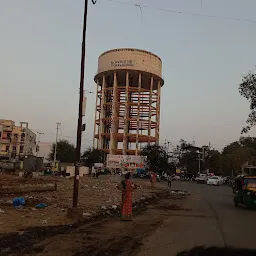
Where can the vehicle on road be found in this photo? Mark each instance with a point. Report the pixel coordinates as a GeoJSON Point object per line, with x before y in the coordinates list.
{"type": "Point", "coordinates": [221, 180]}
{"type": "Point", "coordinates": [176, 177]}
{"type": "Point", "coordinates": [202, 178]}
{"type": "Point", "coordinates": [245, 191]}
{"type": "Point", "coordinates": [214, 180]}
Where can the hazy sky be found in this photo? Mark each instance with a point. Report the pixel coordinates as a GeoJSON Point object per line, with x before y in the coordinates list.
{"type": "Point", "coordinates": [203, 62]}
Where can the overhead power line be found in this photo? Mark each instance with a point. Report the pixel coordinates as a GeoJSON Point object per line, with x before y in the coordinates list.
{"type": "Point", "coordinates": [182, 12]}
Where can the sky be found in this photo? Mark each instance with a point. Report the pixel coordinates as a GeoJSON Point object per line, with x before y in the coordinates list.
{"type": "Point", "coordinates": [204, 60]}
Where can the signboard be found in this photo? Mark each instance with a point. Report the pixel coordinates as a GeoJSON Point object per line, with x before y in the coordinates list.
{"type": "Point", "coordinates": [125, 161]}
{"type": "Point", "coordinates": [98, 165]}
{"type": "Point", "coordinates": [122, 63]}
{"type": "Point", "coordinates": [178, 171]}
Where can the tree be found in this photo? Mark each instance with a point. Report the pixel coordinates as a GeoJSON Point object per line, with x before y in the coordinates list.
{"type": "Point", "coordinates": [91, 156]}
{"type": "Point", "coordinates": [213, 161]}
{"type": "Point", "coordinates": [237, 153]}
{"type": "Point", "coordinates": [65, 152]}
{"type": "Point", "coordinates": [248, 90]}
{"type": "Point", "coordinates": [230, 148]}
{"type": "Point", "coordinates": [187, 156]}
{"type": "Point", "coordinates": [156, 158]}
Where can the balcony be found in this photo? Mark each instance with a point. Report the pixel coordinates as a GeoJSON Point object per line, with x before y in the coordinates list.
{"type": "Point", "coordinates": [7, 128]}
{"type": "Point", "coordinates": [3, 153]}
{"type": "Point", "coordinates": [6, 140]}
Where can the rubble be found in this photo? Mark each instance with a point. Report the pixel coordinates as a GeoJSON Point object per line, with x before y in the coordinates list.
{"type": "Point", "coordinates": [95, 195]}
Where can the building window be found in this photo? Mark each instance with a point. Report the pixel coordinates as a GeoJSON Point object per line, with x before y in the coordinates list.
{"type": "Point", "coordinates": [21, 149]}
{"type": "Point", "coordinates": [22, 136]}
{"type": "Point", "coordinates": [8, 135]}
{"type": "Point", "coordinates": [7, 149]}
{"type": "Point", "coordinates": [14, 148]}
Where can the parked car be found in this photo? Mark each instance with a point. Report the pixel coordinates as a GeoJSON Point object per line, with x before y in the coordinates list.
{"type": "Point", "coordinates": [202, 178]}
{"type": "Point", "coordinates": [214, 180]}
{"type": "Point", "coordinates": [221, 179]}
{"type": "Point", "coordinates": [176, 177]}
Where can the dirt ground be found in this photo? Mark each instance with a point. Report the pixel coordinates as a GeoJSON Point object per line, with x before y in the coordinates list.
{"type": "Point", "coordinates": [95, 195]}
{"type": "Point", "coordinates": [106, 236]}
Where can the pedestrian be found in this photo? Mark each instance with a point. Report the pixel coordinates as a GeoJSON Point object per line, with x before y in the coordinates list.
{"type": "Point", "coordinates": [153, 179]}
{"type": "Point", "coordinates": [97, 173]}
{"type": "Point", "coordinates": [127, 187]}
{"type": "Point", "coordinates": [169, 180]}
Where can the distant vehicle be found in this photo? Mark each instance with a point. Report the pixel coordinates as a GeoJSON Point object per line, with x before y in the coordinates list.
{"type": "Point", "coordinates": [176, 177]}
{"type": "Point", "coordinates": [221, 180]}
{"type": "Point", "coordinates": [202, 178]}
{"type": "Point", "coordinates": [214, 180]}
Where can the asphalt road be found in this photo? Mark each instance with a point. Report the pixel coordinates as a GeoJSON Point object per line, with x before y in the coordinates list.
{"type": "Point", "coordinates": [210, 219]}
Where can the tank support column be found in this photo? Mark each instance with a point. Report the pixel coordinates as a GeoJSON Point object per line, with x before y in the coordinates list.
{"type": "Point", "coordinates": [126, 115]}
{"type": "Point", "coordinates": [138, 116]}
{"type": "Point", "coordinates": [150, 108]}
{"type": "Point", "coordinates": [96, 113]}
{"type": "Point", "coordinates": [102, 112]}
{"type": "Point", "coordinates": [114, 120]}
{"type": "Point", "coordinates": [158, 112]}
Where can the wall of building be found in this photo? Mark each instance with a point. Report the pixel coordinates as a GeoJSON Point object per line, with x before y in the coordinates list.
{"type": "Point", "coordinates": [70, 171]}
{"type": "Point", "coordinates": [44, 150]}
{"type": "Point", "coordinates": [16, 141]}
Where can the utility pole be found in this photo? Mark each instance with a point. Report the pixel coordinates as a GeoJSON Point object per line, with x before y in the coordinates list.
{"type": "Point", "coordinates": [168, 145]}
{"type": "Point", "coordinates": [80, 112]}
{"type": "Point", "coordinates": [55, 148]}
{"type": "Point", "coordinates": [38, 141]}
{"type": "Point", "coordinates": [199, 163]}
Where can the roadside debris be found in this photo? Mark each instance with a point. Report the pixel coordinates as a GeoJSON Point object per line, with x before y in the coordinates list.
{"type": "Point", "coordinates": [41, 206]}
{"type": "Point", "coordinates": [18, 202]}
{"type": "Point", "coordinates": [98, 195]}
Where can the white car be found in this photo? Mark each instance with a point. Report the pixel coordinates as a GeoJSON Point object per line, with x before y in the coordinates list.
{"type": "Point", "coordinates": [176, 177]}
{"type": "Point", "coordinates": [214, 180]}
{"type": "Point", "coordinates": [221, 180]}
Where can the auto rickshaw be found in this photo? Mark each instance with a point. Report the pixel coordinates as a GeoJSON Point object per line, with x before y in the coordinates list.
{"type": "Point", "coordinates": [245, 190]}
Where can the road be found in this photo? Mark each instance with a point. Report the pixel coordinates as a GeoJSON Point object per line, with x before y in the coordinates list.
{"type": "Point", "coordinates": [211, 219]}
{"type": "Point", "coordinates": [165, 226]}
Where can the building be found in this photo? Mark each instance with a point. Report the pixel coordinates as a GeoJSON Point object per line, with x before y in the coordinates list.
{"type": "Point", "coordinates": [127, 114]}
{"type": "Point", "coordinates": [44, 149]}
{"type": "Point", "coordinates": [16, 141]}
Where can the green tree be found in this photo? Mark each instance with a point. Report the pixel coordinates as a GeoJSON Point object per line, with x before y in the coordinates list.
{"type": "Point", "coordinates": [91, 156]}
{"type": "Point", "coordinates": [156, 158]}
{"type": "Point", "coordinates": [187, 156]}
{"type": "Point", "coordinates": [237, 153]}
{"type": "Point", "coordinates": [230, 148]}
{"type": "Point", "coordinates": [248, 90]}
{"type": "Point", "coordinates": [65, 152]}
{"type": "Point", "coordinates": [213, 161]}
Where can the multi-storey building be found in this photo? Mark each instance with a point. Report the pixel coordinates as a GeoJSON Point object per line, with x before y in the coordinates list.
{"type": "Point", "coordinates": [16, 141]}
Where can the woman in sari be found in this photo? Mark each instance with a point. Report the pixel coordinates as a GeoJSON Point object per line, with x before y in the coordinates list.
{"type": "Point", "coordinates": [153, 179]}
{"type": "Point", "coordinates": [127, 187]}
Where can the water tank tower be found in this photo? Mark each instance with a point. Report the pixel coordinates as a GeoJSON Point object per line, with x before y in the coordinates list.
{"type": "Point", "coordinates": [127, 115]}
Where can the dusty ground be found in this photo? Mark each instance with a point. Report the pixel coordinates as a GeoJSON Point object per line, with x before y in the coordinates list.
{"type": "Point", "coordinates": [94, 193]}
{"type": "Point", "coordinates": [102, 236]}
{"type": "Point", "coordinates": [162, 225]}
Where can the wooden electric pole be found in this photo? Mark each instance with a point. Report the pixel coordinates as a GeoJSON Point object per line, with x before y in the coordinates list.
{"type": "Point", "coordinates": [80, 113]}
